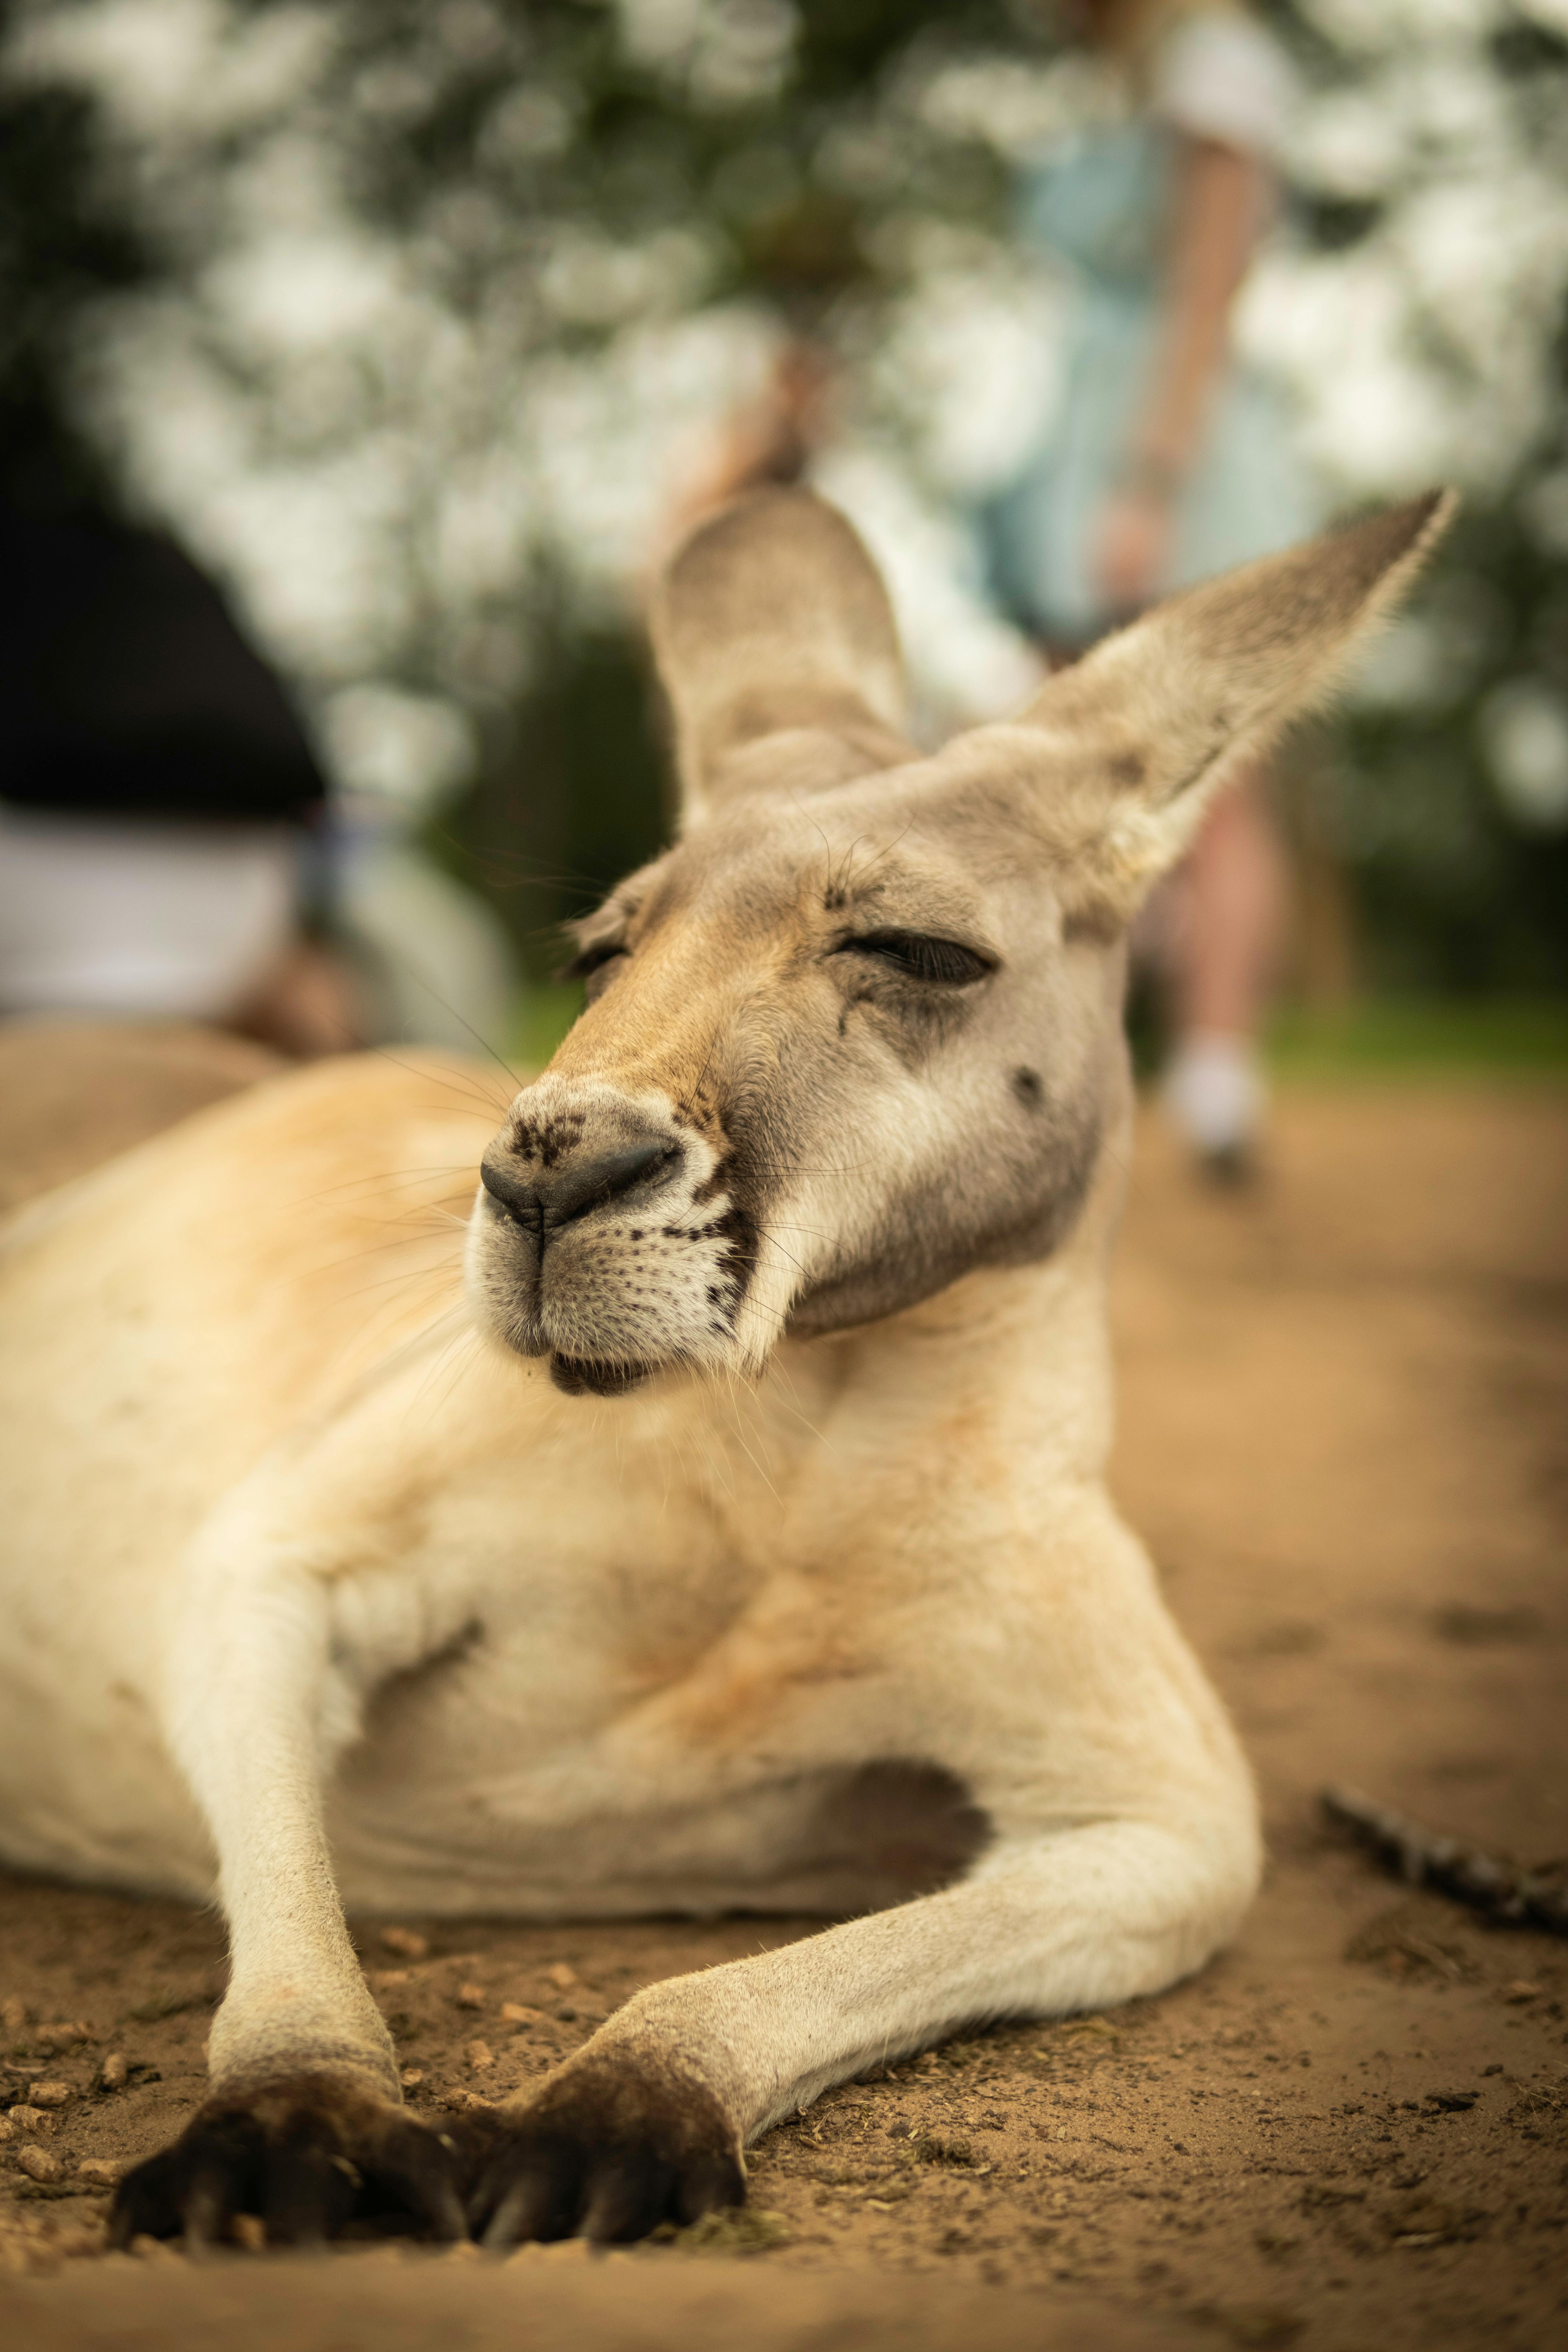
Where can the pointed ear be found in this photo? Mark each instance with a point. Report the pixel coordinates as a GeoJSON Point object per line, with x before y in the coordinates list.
{"type": "Point", "coordinates": [1158, 719]}
{"type": "Point", "coordinates": [776, 646]}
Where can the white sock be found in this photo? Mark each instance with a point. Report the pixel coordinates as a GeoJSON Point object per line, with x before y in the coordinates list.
{"type": "Point", "coordinates": [1214, 1090]}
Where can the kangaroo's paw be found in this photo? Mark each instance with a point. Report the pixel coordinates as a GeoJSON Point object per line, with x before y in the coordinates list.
{"type": "Point", "coordinates": [609, 2148]}
{"type": "Point", "coordinates": [305, 2152]}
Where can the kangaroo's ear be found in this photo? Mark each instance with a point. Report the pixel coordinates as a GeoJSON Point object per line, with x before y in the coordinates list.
{"type": "Point", "coordinates": [1152, 724]}
{"type": "Point", "coordinates": [776, 645]}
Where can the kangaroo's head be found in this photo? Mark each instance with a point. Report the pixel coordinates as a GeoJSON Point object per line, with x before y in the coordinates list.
{"type": "Point", "coordinates": [860, 1030]}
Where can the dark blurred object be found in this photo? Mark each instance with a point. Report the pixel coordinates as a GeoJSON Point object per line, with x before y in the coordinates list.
{"type": "Point", "coordinates": [132, 708]}
{"type": "Point", "coordinates": [126, 690]}
{"type": "Point", "coordinates": [155, 793]}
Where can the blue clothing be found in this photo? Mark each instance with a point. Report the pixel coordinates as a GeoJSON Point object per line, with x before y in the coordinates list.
{"type": "Point", "coordinates": [1100, 205]}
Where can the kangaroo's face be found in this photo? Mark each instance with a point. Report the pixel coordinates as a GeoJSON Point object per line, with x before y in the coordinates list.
{"type": "Point", "coordinates": [860, 1031]}
{"type": "Point", "coordinates": [837, 1053]}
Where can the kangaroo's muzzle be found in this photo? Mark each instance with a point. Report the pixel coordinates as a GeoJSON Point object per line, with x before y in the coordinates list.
{"type": "Point", "coordinates": [602, 1237]}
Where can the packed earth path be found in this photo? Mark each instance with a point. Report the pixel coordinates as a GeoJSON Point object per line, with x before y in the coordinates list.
{"type": "Point", "coordinates": [1342, 1435]}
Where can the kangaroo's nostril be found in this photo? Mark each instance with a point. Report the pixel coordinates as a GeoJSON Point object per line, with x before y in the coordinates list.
{"type": "Point", "coordinates": [583, 1184]}
{"type": "Point", "coordinates": [519, 1198]}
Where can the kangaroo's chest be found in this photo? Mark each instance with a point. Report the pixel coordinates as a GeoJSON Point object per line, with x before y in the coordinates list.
{"type": "Point", "coordinates": [591, 1739]}
{"type": "Point", "coordinates": [477, 1788]}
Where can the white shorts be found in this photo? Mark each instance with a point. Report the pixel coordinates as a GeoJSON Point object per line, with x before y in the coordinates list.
{"type": "Point", "coordinates": [150, 920]}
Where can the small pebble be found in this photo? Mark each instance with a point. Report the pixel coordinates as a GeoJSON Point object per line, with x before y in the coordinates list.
{"type": "Point", "coordinates": [7, 2129]}
{"type": "Point", "coordinates": [12, 2016]}
{"type": "Point", "coordinates": [411, 2077]}
{"type": "Point", "coordinates": [102, 2169]}
{"type": "Point", "coordinates": [50, 2095]}
{"type": "Point", "coordinates": [1521, 1990]}
{"type": "Point", "coordinates": [39, 2164]}
{"type": "Point", "coordinates": [469, 1996]}
{"type": "Point", "coordinates": [407, 1942]}
{"type": "Point", "coordinates": [479, 2053]}
{"type": "Point", "coordinates": [64, 2034]}
{"type": "Point", "coordinates": [248, 2231]}
{"type": "Point", "coordinates": [113, 2072]}
{"type": "Point", "coordinates": [514, 2012]}
{"type": "Point", "coordinates": [151, 2250]}
{"type": "Point", "coordinates": [465, 2102]}
{"type": "Point", "coordinates": [562, 1973]}
{"type": "Point", "coordinates": [30, 2119]}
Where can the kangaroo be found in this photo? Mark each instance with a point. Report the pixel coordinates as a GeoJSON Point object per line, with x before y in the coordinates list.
{"type": "Point", "coordinates": [712, 1515]}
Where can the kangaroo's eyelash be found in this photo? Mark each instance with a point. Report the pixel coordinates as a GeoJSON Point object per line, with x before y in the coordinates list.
{"type": "Point", "coordinates": [590, 958]}
{"type": "Point", "coordinates": [918, 956]}
{"type": "Point", "coordinates": [596, 967]}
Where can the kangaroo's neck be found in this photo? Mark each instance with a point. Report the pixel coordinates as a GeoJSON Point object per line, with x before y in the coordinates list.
{"type": "Point", "coordinates": [1018, 1354]}
{"type": "Point", "coordinates": [1003, 1376]}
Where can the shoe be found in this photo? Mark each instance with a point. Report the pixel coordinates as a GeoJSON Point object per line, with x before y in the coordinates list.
{"type": "Point", "coordinates": [1233, 1168]}
{"type": "Point", "coordinates": [1214, 1094]}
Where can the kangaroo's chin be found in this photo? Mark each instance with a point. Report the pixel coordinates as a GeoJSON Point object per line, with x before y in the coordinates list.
{"type": "Point", "coordinates": [575, 1376]}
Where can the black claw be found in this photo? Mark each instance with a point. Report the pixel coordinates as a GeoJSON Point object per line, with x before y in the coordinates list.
{"type": "Point", "coordinates": [605, 2151]}
{"type": "Point", "coordinates": [137, 2204]}
{"type": "Point", "coordinates": [421, 2181]}
{"type": "Point", "coordinates": [308, 2194]}
{"type": "Point", "coordinates": [519, 2214]}
{"type": "Point", "coordinates": [626, 2200]}
{"type": "Point", "coordinates": [208, 2210]}
{"type": "Point", "coordinates": [305, 2156]}
{"type": "Point", "coordinates": [525, 2196]}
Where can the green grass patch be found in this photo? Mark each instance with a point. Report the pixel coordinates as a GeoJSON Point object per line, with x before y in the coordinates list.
{"type": "Point", "coordinates": [1417, 1037]}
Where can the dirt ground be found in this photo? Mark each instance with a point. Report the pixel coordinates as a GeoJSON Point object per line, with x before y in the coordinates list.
{"type": "Point", "coordinates": [1344, 1437]}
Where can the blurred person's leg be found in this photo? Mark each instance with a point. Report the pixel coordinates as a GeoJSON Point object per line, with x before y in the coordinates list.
{"type": "Point", "coordinates": [1222, 946]}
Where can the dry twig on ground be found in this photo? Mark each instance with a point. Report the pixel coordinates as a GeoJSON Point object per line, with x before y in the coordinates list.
{"type": "Point", "coordinates": [1501, 1889]}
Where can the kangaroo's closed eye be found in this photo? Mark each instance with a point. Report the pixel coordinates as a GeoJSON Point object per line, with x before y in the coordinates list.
{"type": "Point", "coordinates": [596, 966]}
{"type": "Point", "coordinates": [918, 956]}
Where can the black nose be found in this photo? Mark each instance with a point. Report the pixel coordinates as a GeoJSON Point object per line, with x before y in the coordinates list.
{"type": "Point", "coordinates": [584, 1181]}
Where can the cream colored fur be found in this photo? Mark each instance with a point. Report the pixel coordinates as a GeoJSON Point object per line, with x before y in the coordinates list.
{"type": "Point", "coordinates": [337, 1561]}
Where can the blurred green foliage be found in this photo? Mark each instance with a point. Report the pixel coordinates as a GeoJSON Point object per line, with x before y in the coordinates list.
{"type": "Point", "coordinates": [1452, 892]}
{"type": "Point", "coordinates": [65, 244]}
{"type": "Point", "coordinates": [572, 791]}
{"type": "Point", "coordinates": [722, 122]}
